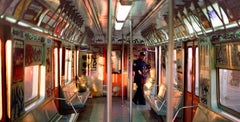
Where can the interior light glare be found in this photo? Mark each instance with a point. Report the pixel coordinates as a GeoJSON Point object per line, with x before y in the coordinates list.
{"type": "Point", "coordinates": [122, 11]}
{"type": "Point", "coordinates": [118, 25]}
{"type": "Point", "coordinates": [23, 24]}
{"type": "Point", "coordinates": [10, 19]}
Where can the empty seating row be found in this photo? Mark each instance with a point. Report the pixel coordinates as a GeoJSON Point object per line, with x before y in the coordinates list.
{"type": "Point", "coordinates": [204, 114]}
{"type": "Point", "coordinates": [71, 97]}
{"type": "Point", "coordinates": [47, 112]}
{"type": "Point", "coordinates": [159, 103]}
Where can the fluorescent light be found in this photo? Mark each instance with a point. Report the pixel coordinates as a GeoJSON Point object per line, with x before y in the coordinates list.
{"type": "Point", "coordinates": [118, 25]}
{"type": "Point", "coordinates": [122, 11]}
{"type": "Point", "coordinates": [231, 25]}
{"type": "Point", "coordinates": [8, 74]}
{"type": "Point", "coordinates": [37, 29]}
{"type": "Point", "coordinates": [10, 19]}
{"type": "Point", "coordinates": [2, 16]}
{"type": "Point", "coordinates": [23, 24]}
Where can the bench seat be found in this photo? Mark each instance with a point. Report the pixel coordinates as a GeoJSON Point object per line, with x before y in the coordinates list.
{"type": "Point", "coordinates": [160, 96]}
{"type": "Point", "coordinates": [204, 114]}
{"type": "Point", "coordinates": [70, 96]}
{"type": "Point", "coordinates": [159, 103]}
{"type": "Point", "coordinates": [47, 112]}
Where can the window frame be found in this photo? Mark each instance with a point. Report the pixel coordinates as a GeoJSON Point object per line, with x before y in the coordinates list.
{"type": "Point", "coordinates": [220, 105]}
{"type": "Point", "coordinates": [31, 61]}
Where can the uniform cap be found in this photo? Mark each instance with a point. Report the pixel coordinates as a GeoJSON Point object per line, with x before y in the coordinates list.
{"type": "Point", "coordinates": [143, 53]}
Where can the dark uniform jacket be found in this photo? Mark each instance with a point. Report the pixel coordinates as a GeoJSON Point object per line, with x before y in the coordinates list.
{"type": "Point", "coordinates": [141, 65]}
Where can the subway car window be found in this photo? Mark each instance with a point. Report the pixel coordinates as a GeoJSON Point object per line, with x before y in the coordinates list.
{"type": "Point", "coordinates": [192, 24]}
{"type": "Point", "coordinates": [213, 12]}
{"type": "Point", "coordinates": [68, 66]}
{"type": "Point", "coordinates": [229, 89]}
{"type": "Point", "coordinates": [31, 84]}
{"type": "Point", "coordinates": [228, 66]}
{"type": "Point", "coordinates": [175, 67]}
{"type": "Point", "coordinates": [56, 66]}
{"type": "Point", "coordinates": [196, 72]}
{"type": "Point", "coordinates": [189, 70]}
{"type": "Point", "coordinates": [1, 102]}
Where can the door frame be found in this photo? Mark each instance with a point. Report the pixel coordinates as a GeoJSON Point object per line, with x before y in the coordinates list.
{"type": "Point", "coordinates": [190, 98]}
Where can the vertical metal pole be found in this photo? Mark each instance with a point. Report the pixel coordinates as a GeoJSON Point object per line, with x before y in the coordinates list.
{"type": "Point", "coordinates": [131, 77]}
{"type": "Point", "coordinates": [109, 64]}
{"type": "Point", "coordinates": [170, 62]}
{"type": "Point", "coordinates": [75, 63]}
{"type": "Point", "coordinates": [160, 64]}
{"type": "Point", "coordinates": [157, 69]}
{"type": "Point", "coordinates": [122, 69]}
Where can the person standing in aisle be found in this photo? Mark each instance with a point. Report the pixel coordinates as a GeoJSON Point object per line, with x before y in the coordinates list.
{"type": "Point", "coordinates": [140, 68]}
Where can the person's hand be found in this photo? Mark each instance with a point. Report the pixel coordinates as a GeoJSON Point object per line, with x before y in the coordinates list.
{"type": "Point", "coordinates": [139, 72]}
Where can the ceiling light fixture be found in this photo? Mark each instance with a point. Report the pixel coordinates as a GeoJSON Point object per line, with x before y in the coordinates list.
{"type": "Point", "coordinates": [118, 25]}
{"type": "Point", "coordinates": [122, 11]}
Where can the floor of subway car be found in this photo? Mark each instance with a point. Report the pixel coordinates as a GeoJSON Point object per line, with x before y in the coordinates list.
{"type": "Point", "coordinates": [96, 108]}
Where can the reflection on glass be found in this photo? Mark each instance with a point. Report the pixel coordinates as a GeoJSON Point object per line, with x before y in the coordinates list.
{"type": "Point", "coordinates": [175, 67]}
{"type": "Point", "coordinates": [197, 73]}
{"type": "Point", "coordinates": [31, 81]}
{"type": "Point", "coordinates": [1, 81]}
{"type": "Point", "coordinates": [56, 66]}
{"type": "Point", "coordinates": [214, 17]}
{"type": "Point", "coordinates": [192, 24]}
{"type": "Point", "coordinates": [116, 61]}
{"type": "Point", "coordinates": [229, 81]}
{"type": "Point", "coordinates": [189, 70]}
{"type": "Point", "coordinates": [68, 66]}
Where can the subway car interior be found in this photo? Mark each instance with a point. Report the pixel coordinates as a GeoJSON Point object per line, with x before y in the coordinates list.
{"type": "Point", "coordinates": [72, 60]}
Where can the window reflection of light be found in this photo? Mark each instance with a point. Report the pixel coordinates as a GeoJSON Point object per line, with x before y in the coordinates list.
{"type": "Point", "coordinates": [56, 66]}
{"type": "Point", "coordinates": [68, 66]}
{"type": "Point", "coordinates": [215, 20]}
{"type": "Point", "coordinates": [100, 67]}
{"type": "Point", "coordinates": [8, 74]}
{"type": "Point", "coordinates": [42, 88]}
{"type": "Point", "coordinates": [66, 60]}
{"type": "Point", "coordinates": [60, 64]}
{"type": "Point", "coordinates": [42, 81]}
{"type": "Point", "coordinates": [194, 26]}
{"type": "Point", "coordinates": [1, 81]}
{"type": "Point", "coordinates": [31, 82]}
{"type": "Point", "coordinates": [76, 55]}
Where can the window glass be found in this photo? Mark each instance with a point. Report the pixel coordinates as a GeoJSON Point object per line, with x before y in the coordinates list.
{"type": "Point", "coordinates": [175, 67]}
{"type": "Point", "coordinates": [214, 15]}
{"type": "Point", "coordinates": [196, 73]}
{"type": "Point", "coordinates": [189, 70]}
{"type": "Point", "coordinates": [68, 66]}
{"type": "Point", "coordinates": [31, 83]}
{"type": "Point", "coordinates": [1, 82]}
{"type": "Point", "coordinates": [56, 66]}
{"type": "Point", "coordinates": [229, 81]}
{"type": "Point", "coordinates": [192, 24]}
